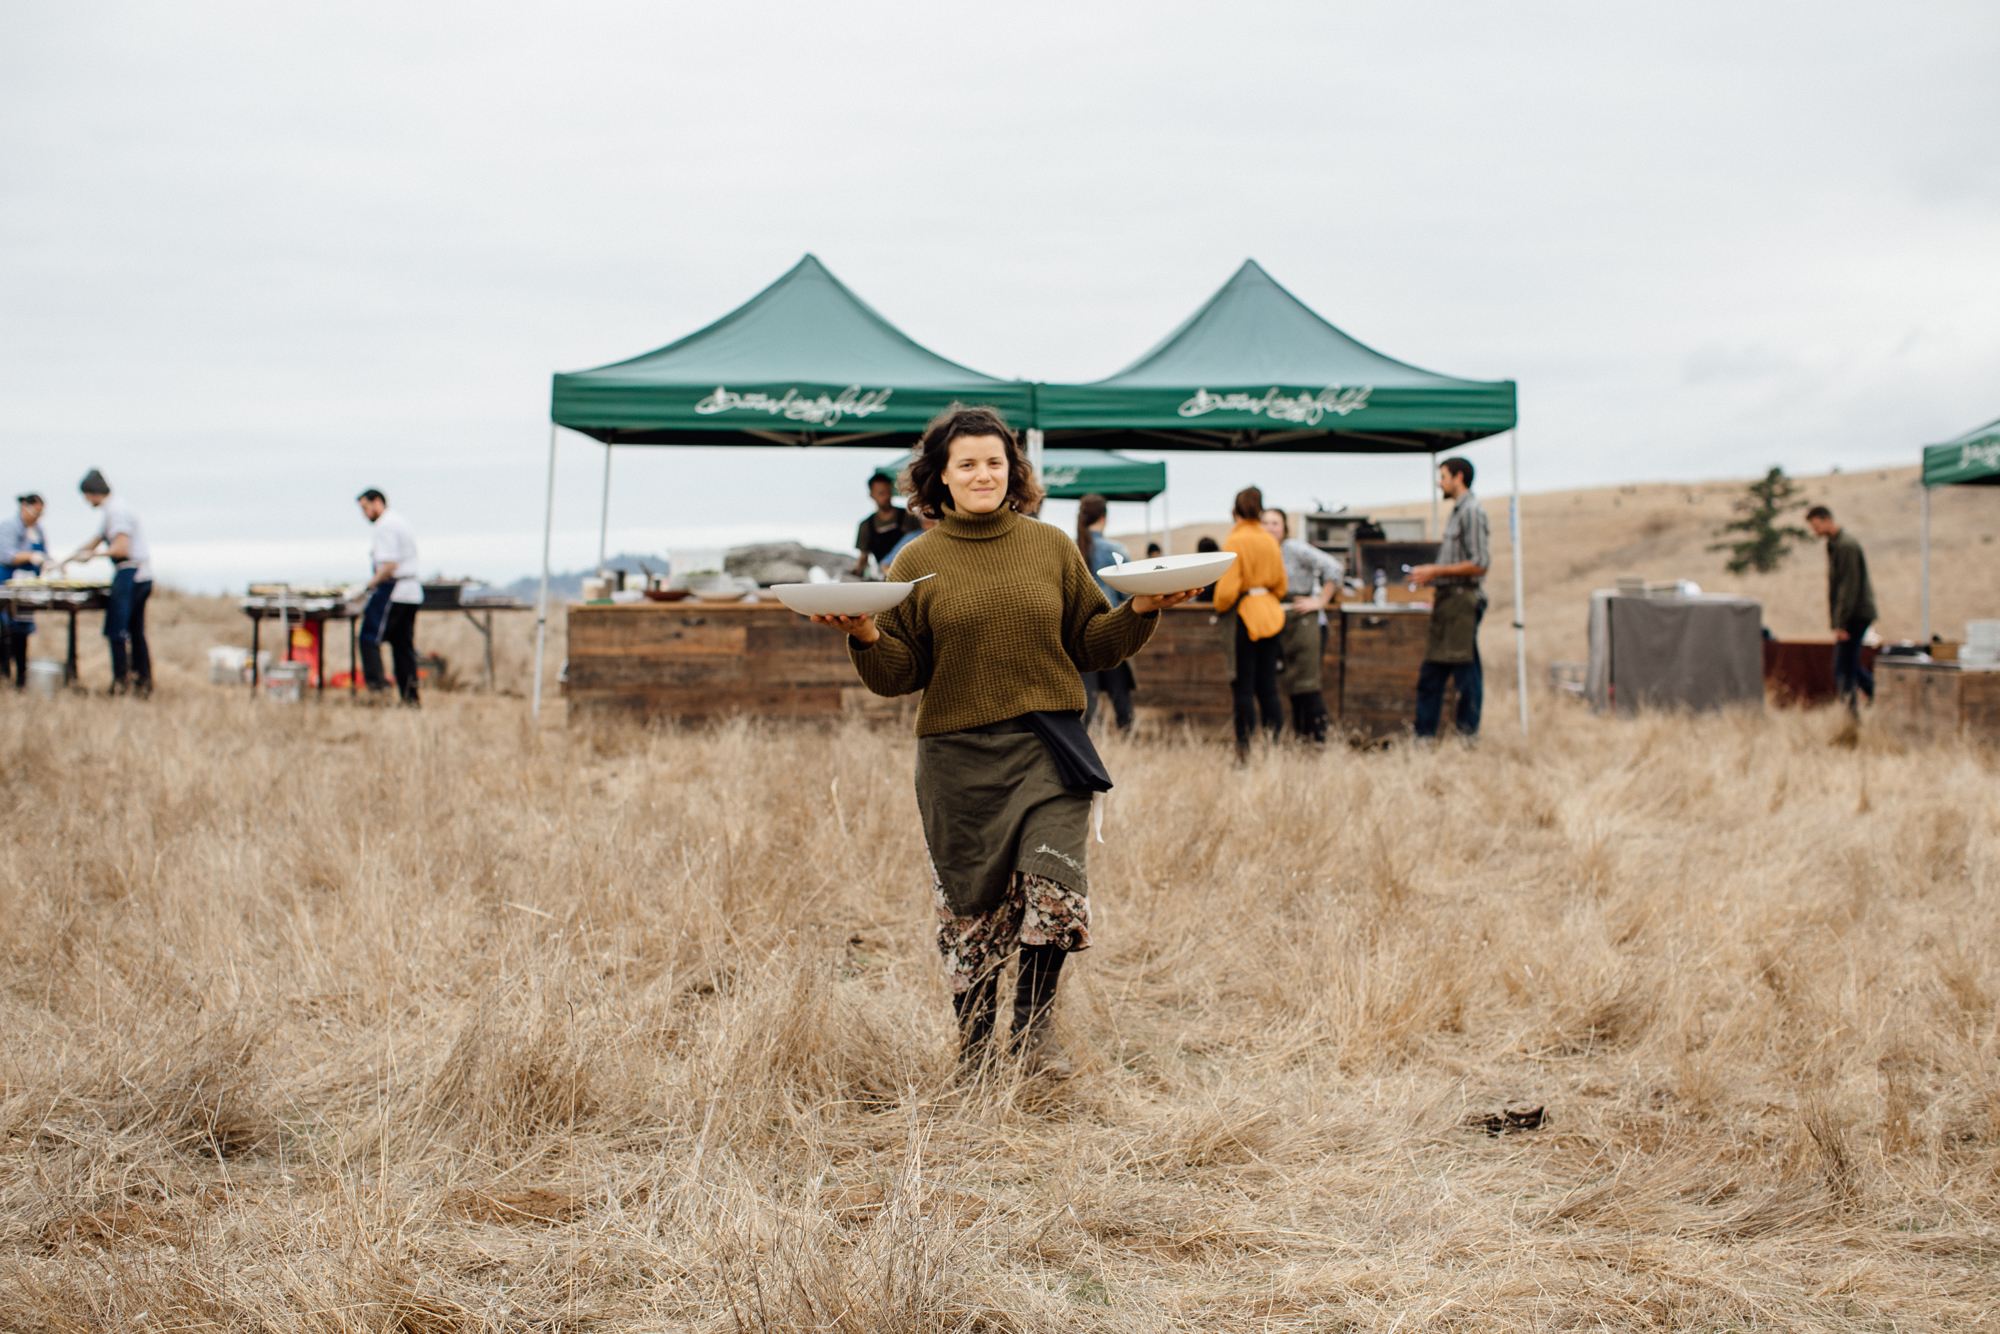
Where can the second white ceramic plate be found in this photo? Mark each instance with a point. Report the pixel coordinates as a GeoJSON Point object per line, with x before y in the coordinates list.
{"type": "Point", "coordinates": [1160, 575]}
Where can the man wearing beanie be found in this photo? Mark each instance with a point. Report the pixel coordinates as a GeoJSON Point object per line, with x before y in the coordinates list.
{"type": "Point", "coordinates": [131, 585]}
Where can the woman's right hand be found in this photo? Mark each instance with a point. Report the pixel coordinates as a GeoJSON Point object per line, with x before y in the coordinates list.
{"type": "Point", "coordinates": [861, 627]}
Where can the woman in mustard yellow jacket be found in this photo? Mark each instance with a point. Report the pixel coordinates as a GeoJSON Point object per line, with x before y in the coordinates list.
{"type": "Point", "coordinates": [1253, 590]}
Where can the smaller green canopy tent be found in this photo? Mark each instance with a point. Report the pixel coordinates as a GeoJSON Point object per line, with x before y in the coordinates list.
{"type": "Point", "coordinates": [1972, 459]}
{"type": "Point", "coordinates": [1072, 474]}
{"type": "Point", "coordinates": [1257, 369]}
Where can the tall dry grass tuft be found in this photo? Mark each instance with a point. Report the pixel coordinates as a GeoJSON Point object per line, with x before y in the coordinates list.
{"type": "Point", "coordinates": [336, 1019]}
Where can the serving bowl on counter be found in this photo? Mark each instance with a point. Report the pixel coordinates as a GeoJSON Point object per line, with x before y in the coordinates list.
{"type": "Point", "coordinates": [1157, 576]}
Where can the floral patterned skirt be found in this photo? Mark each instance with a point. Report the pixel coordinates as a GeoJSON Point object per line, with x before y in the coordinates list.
{"type": "Point", "coordinates": [1035, 911]}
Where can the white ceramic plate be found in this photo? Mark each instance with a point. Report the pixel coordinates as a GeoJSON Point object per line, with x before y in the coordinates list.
{"type": "Point", "coordinates": [840, 599]}
{"type": "Point", "coordinates": [1159, 575]}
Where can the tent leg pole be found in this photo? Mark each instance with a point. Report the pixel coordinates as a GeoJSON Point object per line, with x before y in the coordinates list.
{"type": "Point", "coordinates": [542, 602]}
{"type": "Point", "coordinates": [604, 512]}
{"type": "Point", "coordinates": [1035, 451]}
{"type": "Point", "coordinates": [1166, 523]}
{"type": "Point", "coordinates": [1924, 558]}
{"type": "Point", "coordinates": [1520, 579]}
{"type": "Point", "coordinates": [1435, 532]}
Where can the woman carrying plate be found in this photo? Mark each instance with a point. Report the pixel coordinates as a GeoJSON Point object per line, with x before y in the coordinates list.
{"type": "Point", "coordinates": [997, 642]}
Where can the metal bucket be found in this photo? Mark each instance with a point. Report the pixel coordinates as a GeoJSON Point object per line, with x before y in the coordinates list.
{"type": "Point", "coordinates": [285, 683]}
{"type": "Point", "coordinates": [45, 677]}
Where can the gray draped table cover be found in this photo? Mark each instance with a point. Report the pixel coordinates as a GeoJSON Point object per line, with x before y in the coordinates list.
{"type": "Point", "coordinates": [1703, 652]}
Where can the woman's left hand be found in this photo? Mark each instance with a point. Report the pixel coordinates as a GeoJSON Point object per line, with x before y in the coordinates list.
{"type": "Point", "coordinates": [1147, 603]}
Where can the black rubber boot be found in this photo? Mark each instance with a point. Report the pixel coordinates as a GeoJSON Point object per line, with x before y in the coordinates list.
{"type": "Point", "coordinates": [1034, 997]}
{"type": "Point", "coordinates": [975, 1008]}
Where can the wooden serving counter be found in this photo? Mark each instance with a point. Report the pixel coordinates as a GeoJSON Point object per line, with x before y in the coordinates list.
{"type": "Point", "coordinates": [1930, 702]}
{"type": "Point", "coordinates": [696, 661]}
{"type": "Point", "coordinates": [700, 660]}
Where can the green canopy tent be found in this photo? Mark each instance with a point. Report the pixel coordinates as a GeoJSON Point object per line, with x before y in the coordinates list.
{"type": "Point", "coordinates": [1256, 369]}
{"type": "Point", "coordinates": [804, 362]}
{"type": "Point", "coordinates": [1072, 474]}
{"type": "Point", "coordinates": [1973, 459]}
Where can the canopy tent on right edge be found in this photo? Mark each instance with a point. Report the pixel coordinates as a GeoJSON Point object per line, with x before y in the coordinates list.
{"type": "Point", "coordinates": [1257, 370]}
{"type": "Point", "coordinates": [1972, 459]}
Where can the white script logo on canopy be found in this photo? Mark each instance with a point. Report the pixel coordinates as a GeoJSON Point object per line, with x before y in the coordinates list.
{"type": "Point", "coordinates": [1279, 406]}
{"type": "Point", "coordinates": [820, 411]}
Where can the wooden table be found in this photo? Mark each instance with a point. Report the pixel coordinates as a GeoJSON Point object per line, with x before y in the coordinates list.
{"type": "Point", "coordinates": [25, 599]}
{"type": "Point", "coordinates": [1798, 673]}
{"type": "Point", "coordinates": [1930, 702]}
{"type": "Point", "coordinates": [695, 660]}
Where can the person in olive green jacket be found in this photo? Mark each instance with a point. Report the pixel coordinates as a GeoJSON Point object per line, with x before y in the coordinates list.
{"type": "Point", "coordinates": [1850, 604]}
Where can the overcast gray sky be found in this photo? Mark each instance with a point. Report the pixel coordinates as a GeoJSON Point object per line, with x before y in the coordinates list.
{"type": "Point", "coordinates": [256, 257]}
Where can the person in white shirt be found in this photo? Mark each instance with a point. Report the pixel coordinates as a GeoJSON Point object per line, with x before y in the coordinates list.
{"type": "Point", "coordinates": [394, 594]}
{"type": "Point", "coordinates": [131, 586]}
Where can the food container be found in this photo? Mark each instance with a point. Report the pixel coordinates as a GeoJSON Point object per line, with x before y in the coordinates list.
{"type": "Point", "coordinates": [285, 682]}
{"type": "Point", "coordinates": [226, 664]}
{"type": "Point", "coordinates": [45, 677]}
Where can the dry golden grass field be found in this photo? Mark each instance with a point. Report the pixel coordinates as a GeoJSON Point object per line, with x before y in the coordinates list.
{"type": "Point", "coordinates": [341, 1019]}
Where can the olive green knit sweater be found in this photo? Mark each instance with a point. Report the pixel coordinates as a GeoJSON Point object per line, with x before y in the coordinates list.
{"type": "Point", "coordinates": [1005, 629]}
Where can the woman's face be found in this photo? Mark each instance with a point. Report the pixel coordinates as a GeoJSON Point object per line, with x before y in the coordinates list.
{"type": "Point", "coordinates": [1274, 524]}
{"type": "Point", "coordinates": [976, 474]}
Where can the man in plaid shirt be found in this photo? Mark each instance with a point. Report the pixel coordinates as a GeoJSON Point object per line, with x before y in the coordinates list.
{"type": "Point", "coordinates": [1451, 652]}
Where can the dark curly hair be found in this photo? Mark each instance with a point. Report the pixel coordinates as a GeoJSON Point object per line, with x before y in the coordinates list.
{"type": "Point", "coordinates": [923, 480]}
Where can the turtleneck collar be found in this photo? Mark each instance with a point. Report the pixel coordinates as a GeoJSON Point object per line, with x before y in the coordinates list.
{"type": "Point", "coordinates": [977, 527]}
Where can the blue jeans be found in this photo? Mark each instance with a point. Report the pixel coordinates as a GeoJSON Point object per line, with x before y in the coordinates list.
{"type": "Point", "coordinates": [1847, 673]}
{"type": "Point", "coordinates": [125, 627]}
{"type": "Point", "coordinates": [1468, 678]}
{"type": "Point", "coordinates": [1430, 696]}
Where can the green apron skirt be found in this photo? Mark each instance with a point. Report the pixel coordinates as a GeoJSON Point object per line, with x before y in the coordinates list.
{"type": "Point", "coordinates": [1454, 630]}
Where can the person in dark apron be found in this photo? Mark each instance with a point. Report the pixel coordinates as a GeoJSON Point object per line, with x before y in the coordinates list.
{"type": "Point", "coordinates": [1458, 577]}
{"type": "Point", "coordinates": [23, 551]}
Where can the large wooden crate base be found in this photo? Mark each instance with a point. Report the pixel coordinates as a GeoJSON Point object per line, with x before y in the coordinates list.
{"type": "Point", "coordinates": [1929, 703]}
{"type": "Point", "coordinates": [697, 662]}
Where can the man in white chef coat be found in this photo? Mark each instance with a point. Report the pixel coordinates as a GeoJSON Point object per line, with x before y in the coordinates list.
{"type": "Point", "coordinates": [394, 594]}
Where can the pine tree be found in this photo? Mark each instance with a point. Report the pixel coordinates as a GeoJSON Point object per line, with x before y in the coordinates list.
{"type": "Point", "coordinates": [1765, 542]}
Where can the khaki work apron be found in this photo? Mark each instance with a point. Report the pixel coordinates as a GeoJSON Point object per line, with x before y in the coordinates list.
{"type": "Point", "coordinates": [1454, 629]}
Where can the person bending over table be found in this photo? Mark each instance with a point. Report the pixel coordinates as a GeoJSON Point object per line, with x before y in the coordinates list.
{"type": "Point", "coordinates": [1850, 606]}
{"type": "Point", "coordinates": [394, 594]}
{"type": "Point", "coordinates": [1005, 772]}
{"type": "Point", "coordinates": [23, 550]}
{"type": "Point", "coordinates": [131, 586]}
{"type": "Point", "coordinates": [1451, 649]}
